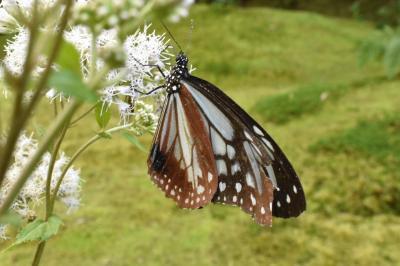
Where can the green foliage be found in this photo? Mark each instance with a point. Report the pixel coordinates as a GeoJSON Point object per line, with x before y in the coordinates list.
{"type": "Point", "coordinates": [389, 13]}
{"type": "Point", "coordinates": [39, 230]}
{"type": "Point", "coordinates": [385, 47]}
{"type": "Point", "coordinates": [349, 218]}
{"type": "Point", "coordinates": [378, 140]}
{"type": "Point", "coordinates": [284, 107]}
{"type": "Point", "coordinates": [70, 84]}
{"type": "Point", "coordinates": [69, 58]}
{"type": "Point", "coordinates": [103, 115]}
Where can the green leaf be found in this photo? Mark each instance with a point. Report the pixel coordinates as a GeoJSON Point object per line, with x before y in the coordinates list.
{"type": "Point", "coordinates": [32, 231]}
{"type": "Point", "coordinates": [39, 230]}
{"type": "Point", "coordinates": [103, 115]}
{"type": "Point", "coordinates": [69, 58]}
{"type": "Point", "coordinates": [134, 141]}
{"type": "Point", "coordinates": [70, 83]}
{"type": "Point", "coordinates": [51, 227]}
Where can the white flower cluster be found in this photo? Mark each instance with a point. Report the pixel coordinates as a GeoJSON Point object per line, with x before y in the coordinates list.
{"type": "Point", "coordinates": [144, 118]}
{"type": "Point", "coordinates": [140, 49]}
{"type": "Point", "coordinates": [33, 192]}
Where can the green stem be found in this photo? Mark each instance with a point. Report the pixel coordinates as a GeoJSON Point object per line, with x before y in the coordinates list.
{"type": "Point", "coordinates": [82, 116]}
{"type": "Point", "coordinates": [50, 170]}
{"type": "Point", "coordinates": [39, 253]}
{"type": "Point", "coordinates": [76, 155]}
{"type": "Point", "coordinates": [47, 139]}
{"type": "Point", "coordinates": [53, 55]}
{"type": "Point", "coordinates": [17, 123]}
{"type": "Point", "coordinates": [20, 116]}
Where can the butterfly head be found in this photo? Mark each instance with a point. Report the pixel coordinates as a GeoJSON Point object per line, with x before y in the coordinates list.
{"type": "Point", "coordinates": [181, 60]}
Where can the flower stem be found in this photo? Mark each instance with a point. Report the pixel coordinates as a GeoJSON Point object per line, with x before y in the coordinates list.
{"type": "Point", "coordinates": [77, 154]}
{"type": "Point", "coordinates": [50, 135]}
{"type": "Point", "coordinates": [82, 116]}
{"type": "Point", "coordinates": [17, 122]}
{"type": "Point", "coordinates": [39, 253]}
{"type": "Point", "coordinates": [22, 115]}
{"type": "Point", "coordinates": [50, 170]}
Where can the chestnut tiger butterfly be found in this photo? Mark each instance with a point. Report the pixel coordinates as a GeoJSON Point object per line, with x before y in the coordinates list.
{"type": "Point", "coordinates": [206, 148]}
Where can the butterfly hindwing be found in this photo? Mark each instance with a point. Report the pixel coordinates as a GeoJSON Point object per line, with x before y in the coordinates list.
{"type": "Point", "coordinates": [181, 161]}
{"type": "Point", "coordinates": [256, 152]}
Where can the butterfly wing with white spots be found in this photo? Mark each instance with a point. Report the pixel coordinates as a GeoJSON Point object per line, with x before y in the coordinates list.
{"type": "Point", "coordinates": [253, 171]}
{"type": "Point", "coordinates": [208, 149]}
{"type": "Point", "coordinates": [181, 161]}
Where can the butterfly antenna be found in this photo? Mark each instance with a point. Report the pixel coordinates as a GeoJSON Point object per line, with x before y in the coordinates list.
{"type": "Point", "coordinates": [190, 35]}
{"type": "Point", "coordinates": [170, 34]}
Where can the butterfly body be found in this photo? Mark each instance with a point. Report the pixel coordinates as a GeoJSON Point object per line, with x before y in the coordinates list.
{"type": "Point", "coordinates": [207, 149]}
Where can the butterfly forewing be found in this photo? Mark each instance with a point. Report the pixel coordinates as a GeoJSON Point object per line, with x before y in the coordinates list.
{"type": "Point", "coordinates": [181, 161]}
{"type": "Point", "coordinates": [263, 166]}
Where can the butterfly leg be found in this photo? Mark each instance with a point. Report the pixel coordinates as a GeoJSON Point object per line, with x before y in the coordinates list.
{"type": "Point", "coordinates": [152, 65]}
{"type": "Point", "coordinates": [151, 91]}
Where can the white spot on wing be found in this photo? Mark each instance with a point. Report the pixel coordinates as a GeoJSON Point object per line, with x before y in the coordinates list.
{"type": "Point", "coordinates": [210, 176]}
{"type": "Point", "coordinates": [294, 189]}
{"type": "Point", "coordinates": [287, 198]}
{"type": "Point", "coordinates": [238, 187]}
{"type": "Point", "coordinates": [218, 143]}
{"type": "Point", "coordinates": [271, 175]}
{"type": "Point", "coordinates": [247, 135]}
{"type": "Point", "coordinates": [258, 131]}
{"type": "Point", "coordinates": [222, 186]}
{"type": "Point", "coordinates": [200, 189]}
{"type": "Point", "coordinates": [235, 168]}
{"type": "Point", "coordinates": [250, 180]}
{"type": "Point", "coordinates": [231, 151]}
{"type": "Point", "coordinates": [234, 199]}
{"type": "Point", "coordinates": [221, 167]}
{"type": "Point", "coordinates": [262, 210]}
{"type": "Point", "coordinates": [172, 131]}
{"type": "Point", "coordinates": [253, 199]}
{"type": "Point", "coordinates": [269, 145]}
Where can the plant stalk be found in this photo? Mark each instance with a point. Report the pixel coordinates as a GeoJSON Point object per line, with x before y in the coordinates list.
{"type": "Point", "coordinates": [76, 155]}
{"type": "Point", "coordinates": [39, 253]}
{"type": "Point", "coordinates": [47, 139]}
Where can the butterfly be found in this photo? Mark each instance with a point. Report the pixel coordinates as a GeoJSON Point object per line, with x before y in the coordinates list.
{"type": "Point", "coordinates": [207, 149]}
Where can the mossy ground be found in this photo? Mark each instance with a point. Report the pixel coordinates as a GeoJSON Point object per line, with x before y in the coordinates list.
{"type": "Point", "coordinates": [348, 168]}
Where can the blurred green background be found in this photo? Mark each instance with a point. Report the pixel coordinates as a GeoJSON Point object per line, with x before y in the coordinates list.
{"type": "Point", "coordinates": [297, 73]}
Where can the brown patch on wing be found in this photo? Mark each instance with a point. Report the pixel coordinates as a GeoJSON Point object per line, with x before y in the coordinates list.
{"type": "Point", "coordinates": [181, 162]}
